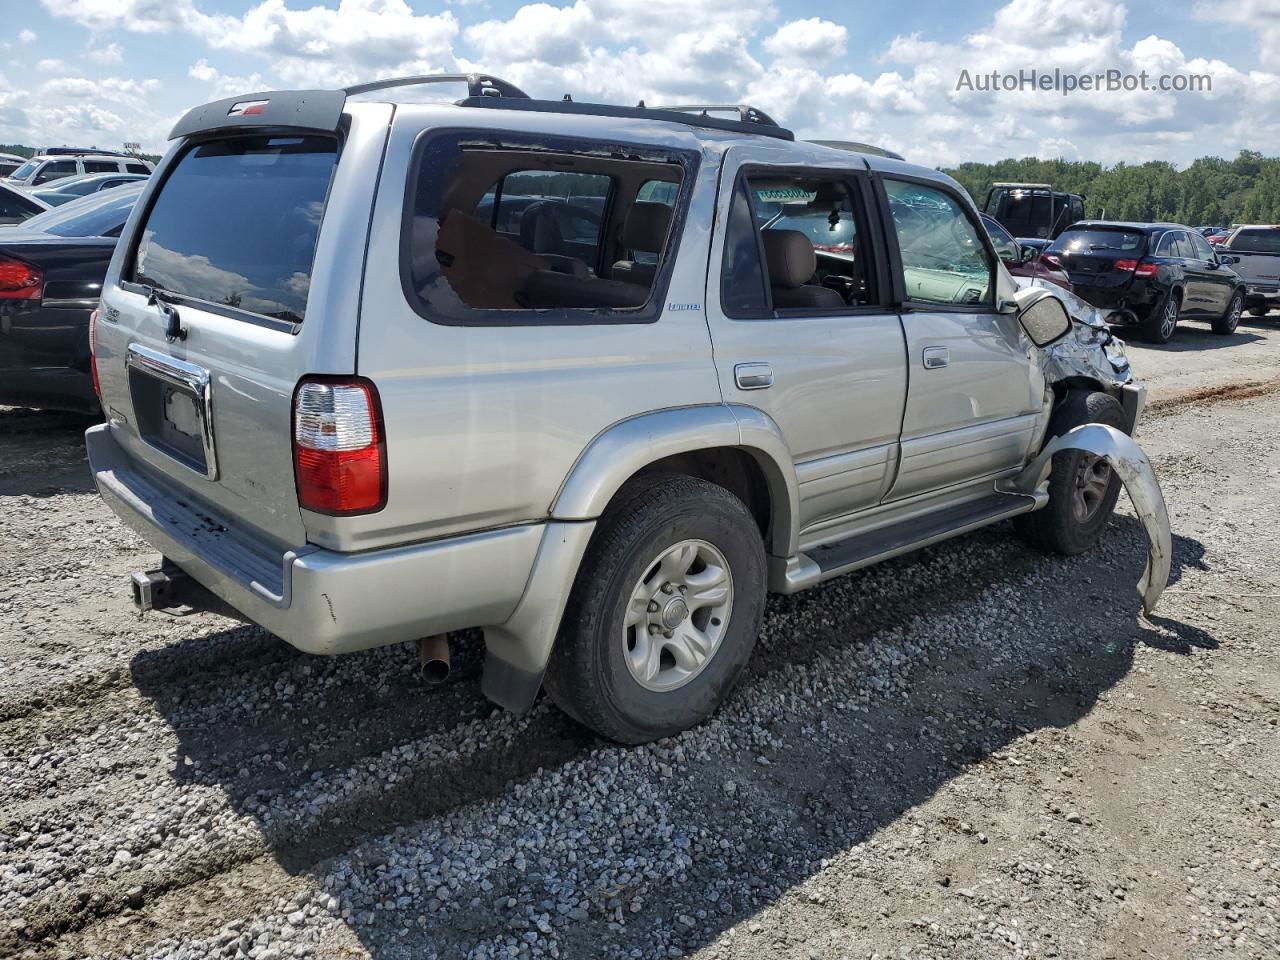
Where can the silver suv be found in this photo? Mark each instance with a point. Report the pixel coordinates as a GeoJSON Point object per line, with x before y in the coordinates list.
{"type": "Point", "coordinates": [591, 378]}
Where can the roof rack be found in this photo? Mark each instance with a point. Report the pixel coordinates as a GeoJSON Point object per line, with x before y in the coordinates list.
{"type": "Point", "coordinates": [478, 84]}
{"type": "Point", "coordinates": [322, 109]}
{"type": "Point", "coordinates": [746, 113]}
{"type": "Point", "coordinates": [79, 152]}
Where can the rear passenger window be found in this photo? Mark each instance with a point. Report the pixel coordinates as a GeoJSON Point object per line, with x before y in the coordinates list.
{"type": "Point", "coordinates": [235, 224]}
{"type": "Point", "coordinates": [101, 166]}
{"type": "Point", "coordinates": [517, 229]}
{"type": "Point", "coordinates": [137, 168]}
{"type": "Point", "coordinates": [943, 258]}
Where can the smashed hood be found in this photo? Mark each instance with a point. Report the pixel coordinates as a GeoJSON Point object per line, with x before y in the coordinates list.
{"type": "Point", "coordinates": [1090, 349]}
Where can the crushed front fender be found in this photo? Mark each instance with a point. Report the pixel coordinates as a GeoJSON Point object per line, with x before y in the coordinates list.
{"type": "Point", "coordinates": [1139, 479]}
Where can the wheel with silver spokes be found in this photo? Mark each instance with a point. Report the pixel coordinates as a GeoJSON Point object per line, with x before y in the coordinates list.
{"type": "Point", "coordinates": [678, 613]}
{"type": "Point", "coordinates": [1093, 480]}
{"type": "Point", "coordinates": [665, 610]}
{"type": "Point", "coordinates": [1230, 319]}
{"type": "Point", "coordinates": [1162, 322]}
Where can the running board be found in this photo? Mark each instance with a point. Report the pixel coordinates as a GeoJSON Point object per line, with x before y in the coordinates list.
{"type": "Point", "coordinates": [864, 549]}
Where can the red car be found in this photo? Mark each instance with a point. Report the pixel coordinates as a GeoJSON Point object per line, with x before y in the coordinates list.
{"type": "Point", "coordinates": [1024, 261]}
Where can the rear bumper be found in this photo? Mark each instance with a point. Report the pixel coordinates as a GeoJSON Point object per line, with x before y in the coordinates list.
{"type": "Point", "coordinates": [319, 600]}
{"type": "Point", "coordinates": [1131, 296]}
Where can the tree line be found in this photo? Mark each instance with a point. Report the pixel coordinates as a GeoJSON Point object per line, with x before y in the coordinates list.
{"type": "Point", "coordinates": [1210, 192]}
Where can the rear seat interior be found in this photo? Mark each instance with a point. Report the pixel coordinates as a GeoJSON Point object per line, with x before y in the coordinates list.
{"type": "Point", "coordinates": [535, 265]}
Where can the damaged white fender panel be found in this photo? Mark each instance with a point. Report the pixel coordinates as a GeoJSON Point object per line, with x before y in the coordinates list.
{"type": "Point", "coordinates": [1139, 479]}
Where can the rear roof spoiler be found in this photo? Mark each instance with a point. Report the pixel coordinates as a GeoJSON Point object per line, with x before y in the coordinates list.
{"type": "Point", "coordinates": [290, 109]}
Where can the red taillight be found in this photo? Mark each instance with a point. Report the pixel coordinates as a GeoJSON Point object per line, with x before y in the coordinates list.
{"type": "Point", "coordinates": [20, 280]}
{"type": "Point", "coordinates": [1138, 269]}
{"type": "Point", "coordinates": [93, 353]}
{"type": "Point", "coordinates": [339, 455]}
{"type": "Point", "coordinates": [1052, 260]}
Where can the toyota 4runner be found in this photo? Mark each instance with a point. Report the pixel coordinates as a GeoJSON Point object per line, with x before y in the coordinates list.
{"type": "Point", "coordinates": [591, 378]}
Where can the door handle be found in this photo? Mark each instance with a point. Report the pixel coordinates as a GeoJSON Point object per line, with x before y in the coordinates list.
{"type": "Point", "coordinates": [753, 376]}
{"type": "Point", "coordinates": [935, 358]}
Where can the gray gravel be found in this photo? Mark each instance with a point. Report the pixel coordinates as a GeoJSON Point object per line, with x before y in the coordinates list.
{"type": "Point", "coordinates": [977, 752]}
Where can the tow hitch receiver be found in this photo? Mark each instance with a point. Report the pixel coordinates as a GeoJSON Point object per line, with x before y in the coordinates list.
{"type": "Point", "coordinates": [169, 589]}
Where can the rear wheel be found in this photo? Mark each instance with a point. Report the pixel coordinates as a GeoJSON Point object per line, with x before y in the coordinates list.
{"type": "Point", "coordinates": [664, 613]}
{"type": "Point", "coordinates": [1258, 311]}
{"type": "Point", "coordinates": [1082, 487]}
{"type": "Point", "coordinates": [1162, 322]}
{"type": "Point", "coordinates": [1230, 319]}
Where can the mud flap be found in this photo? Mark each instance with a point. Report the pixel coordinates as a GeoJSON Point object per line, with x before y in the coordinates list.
{"type": "Point", "coordinates": [1139, 479]}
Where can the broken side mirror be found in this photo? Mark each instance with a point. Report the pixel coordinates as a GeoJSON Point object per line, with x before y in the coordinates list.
{"type": "Point", "coordinates": [1043, 316]}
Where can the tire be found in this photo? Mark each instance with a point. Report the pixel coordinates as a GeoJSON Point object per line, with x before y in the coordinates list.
{"type": "Point", "coordinates": [1258, 311]}
{"type": "Point", "coordinates": [616, 668]}
{"type": "Point", "coordinates": [1161, 323]}
{"type": "Point", "coordinates": [1230, 319]}
{"type": "Point", "coordinates": [1074, 517]}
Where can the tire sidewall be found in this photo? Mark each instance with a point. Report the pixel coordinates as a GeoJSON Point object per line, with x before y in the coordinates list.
{"type": "Point", "coordinates": [669, 711]}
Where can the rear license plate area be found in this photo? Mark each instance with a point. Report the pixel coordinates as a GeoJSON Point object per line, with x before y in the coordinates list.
{"type": "Point", "coordinates": [171, 408]}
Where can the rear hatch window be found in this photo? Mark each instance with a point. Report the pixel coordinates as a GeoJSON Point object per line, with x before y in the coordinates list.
{"type": "Point", "coordinates": [1257, 241]}
{"type": "Point", "coordinates": [1099, 241]}
{"type": "Point", "coordinates": [235, 224]}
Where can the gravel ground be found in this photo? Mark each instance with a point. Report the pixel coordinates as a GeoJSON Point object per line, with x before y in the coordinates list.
{"type": "Point", "coordinates": [977, 751]}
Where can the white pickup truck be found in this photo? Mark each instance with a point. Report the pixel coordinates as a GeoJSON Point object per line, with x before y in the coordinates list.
{"type": "Point", "coordinates": [1256, 249]}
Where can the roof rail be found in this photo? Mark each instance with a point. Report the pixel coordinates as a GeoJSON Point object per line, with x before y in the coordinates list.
{"type": "Point", "coordinates": [321, 110]}
{"type": "Point", "coordinates": [746, 113]}
{"type": "Point", "coordinates": [79, 152]}
{"type": "Point", "coordinates": [641, 112]}
{"type": "Point", "coordinates": [478, 84]}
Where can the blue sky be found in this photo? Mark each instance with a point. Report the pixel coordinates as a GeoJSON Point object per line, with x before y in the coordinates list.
{"type": "Point", "coordinates": [106, 71]}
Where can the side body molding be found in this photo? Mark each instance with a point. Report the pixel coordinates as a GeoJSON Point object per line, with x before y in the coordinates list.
{"type": "Point", "coordinates": [1139, 478]}
{"type": "Point", "coordinates": [627, 447]}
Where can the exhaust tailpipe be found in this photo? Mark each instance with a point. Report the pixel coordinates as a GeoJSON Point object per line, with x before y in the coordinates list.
{"type": "Point", "coordinates": [433, 658]}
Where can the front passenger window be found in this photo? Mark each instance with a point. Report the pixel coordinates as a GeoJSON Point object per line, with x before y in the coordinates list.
{"type": "Point", "coordinates": [943, 258]}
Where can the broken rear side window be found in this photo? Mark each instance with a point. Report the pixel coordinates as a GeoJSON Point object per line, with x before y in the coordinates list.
{"type": "Point", "coordinates": [515, 229]}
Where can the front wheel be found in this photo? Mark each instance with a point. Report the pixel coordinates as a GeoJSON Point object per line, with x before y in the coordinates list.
{"type": "Point", "coordinates": [1230, 319]}
{"type": "Point", "coordinates": [1082, 487]}
{"type": "Point", "coordinates": [1258, 311]}
{"type": "Point", "coordinates": [1162, 322]}
{"type": "Point", "coordinates": [664, 613]}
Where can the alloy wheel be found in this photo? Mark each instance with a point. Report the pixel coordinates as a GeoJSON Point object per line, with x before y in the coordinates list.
{"type": "Point", "coordinates": [677, 615]}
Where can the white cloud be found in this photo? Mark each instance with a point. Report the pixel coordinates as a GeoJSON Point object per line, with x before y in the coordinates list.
{"type": "Point", "coordinates": [665, 51]}
{"type": "Point", "coordinates": [812, 42]}
{"type": "Point", "coordinates": [50, 65]}
{"type": "Point", "coordinates": [27, 36]}
{"type": "Point", "coordinates": [110, 54]}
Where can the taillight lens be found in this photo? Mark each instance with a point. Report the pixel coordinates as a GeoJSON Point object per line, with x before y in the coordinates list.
{"type": "Point", "coordinates": [1052, 260]}
{"type": "Point", "coordinates": [93, 354]}
{"type": "Point", "coordinates": [339, 455]}
{"type": "Point", "coordinates": [1138, 269]}
{"type": "Point", "coordinates": [20, 280]}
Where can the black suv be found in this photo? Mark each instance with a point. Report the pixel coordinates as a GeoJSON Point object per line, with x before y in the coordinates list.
{"type": "Point", "coordinates": [1150, 274]}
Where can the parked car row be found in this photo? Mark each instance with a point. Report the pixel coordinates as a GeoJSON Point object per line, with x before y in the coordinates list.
{"type": "Point", "coordinates": [57, 163]}
{"type": "Point", "coordinates": [1155, 275]}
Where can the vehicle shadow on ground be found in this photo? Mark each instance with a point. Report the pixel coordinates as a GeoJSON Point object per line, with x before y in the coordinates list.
{"type": "Point", "coordinates": [42, 452]}
{"type": "Point", "coordinates": [1192, 336]}
{"type": "Point", "coordinates": [820, 795]}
